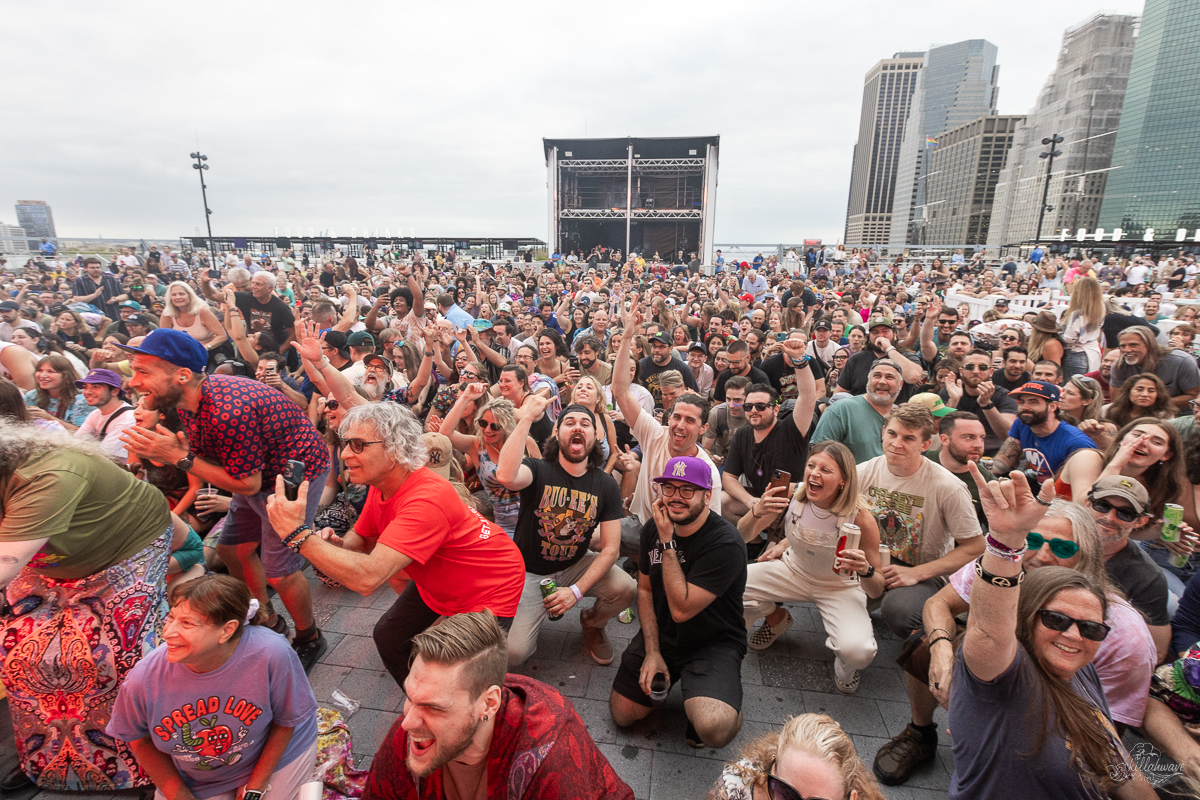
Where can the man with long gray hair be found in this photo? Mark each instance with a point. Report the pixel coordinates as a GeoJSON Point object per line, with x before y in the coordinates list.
{"type": "Point", "coordinates": [453, 560]}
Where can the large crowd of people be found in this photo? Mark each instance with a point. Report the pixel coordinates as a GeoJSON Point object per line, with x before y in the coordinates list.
{"type": "Point", "coordinates": [995, 460]}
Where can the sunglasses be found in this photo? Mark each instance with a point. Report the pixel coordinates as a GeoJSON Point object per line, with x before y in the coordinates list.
{"type": "Point", "coordinates": [331, 405]}
{"type": "Point", "coordinates": [356, 445]}
{"type": "Point", "coordinates": [757, 406]}
{"type": "Point", "coordinates": [975, 367]}
{"type": "Point", "coordinates": [495, 427]}
{"type": "Point", "coordinates": [1008, 338]}
{"type": "Point", "coordinates": [779, 789]}
{"type": "Point", "coordinates": [1057, 621]}
{"type": "Point", "coordinates": [1063, 548]}
{"type": "Point", "coordinates": [1102, 507]}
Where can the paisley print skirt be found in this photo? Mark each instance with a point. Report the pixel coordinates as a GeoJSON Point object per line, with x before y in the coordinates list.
{"type": "Point", "coordinates": [66, 647]}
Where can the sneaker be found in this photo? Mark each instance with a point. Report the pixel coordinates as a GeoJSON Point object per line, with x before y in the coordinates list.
{"type": "Point", "coordinates": [896, 760]}
{"type": "Point", "coordinates": [847, 682]}
{"type": "Point", "coordinates": [766, 635]}
{"type": "Point", "coordinates": [310, 651]}
{"type": "Point", "coordinates": [692, 738]}
{"type": "Point", "coordinates": [596, 641]}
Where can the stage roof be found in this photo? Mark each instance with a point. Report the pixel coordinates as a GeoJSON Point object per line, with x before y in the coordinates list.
{"type": "Point", "coordinates": [663, 147]}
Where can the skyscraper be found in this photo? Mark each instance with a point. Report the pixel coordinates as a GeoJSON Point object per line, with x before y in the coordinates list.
{"type": "Point", "coordinates": [1155, 176]}
{"type": "Point", "coordinates": [957, 84]}
{"type": "Point", "coordinates": [961, 182]}
{"type": "Point", "coordinates": [887, 92]}
{"type": "Point", "coordinates": [35, 217]}
{"type": "Point", "coordinates": [1081, 101]}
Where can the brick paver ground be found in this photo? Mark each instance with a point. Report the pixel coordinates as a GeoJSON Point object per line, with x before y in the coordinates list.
{"type": "Point", "coordinates": [792, 677]}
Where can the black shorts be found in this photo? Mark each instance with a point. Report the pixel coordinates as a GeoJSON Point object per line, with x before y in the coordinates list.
{"type": "Point", "coordinates": [714, 671]}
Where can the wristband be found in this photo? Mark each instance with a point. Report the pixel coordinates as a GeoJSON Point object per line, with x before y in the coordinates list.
{"type": "Point", "coordinates": [999, 581]}
{"type": "Point", "coordinates": [287, 540]}
{"type": "Point", "coordinates": [575, 591]}
{"type": "Point", "coordinates": [1008, 555]}
{"type": "Point", "coordinates": [296, 545]}
{"type": "Point", "coordinates": [997, 544]}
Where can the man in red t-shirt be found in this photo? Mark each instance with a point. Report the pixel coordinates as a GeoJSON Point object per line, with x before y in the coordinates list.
{"type": "Point", "coordinates": [415, 532]}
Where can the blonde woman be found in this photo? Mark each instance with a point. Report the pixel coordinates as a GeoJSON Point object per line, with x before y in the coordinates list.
{"type": "Point", "coordinates": [811, 757]}
{"type": "Point", "coordinates": [590, 394]}
{"type": "Point", "coordinates": [186, 312]}
{"type": "Point", "coordinates": [494, 422]}
{"type": "Point", "coordinates": [1081, 328]}
{"type": "Point", "coordinates": [803, 567]}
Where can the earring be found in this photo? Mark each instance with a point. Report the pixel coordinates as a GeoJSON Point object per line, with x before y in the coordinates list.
{"type": "Point", "coordinates": [485, 717]}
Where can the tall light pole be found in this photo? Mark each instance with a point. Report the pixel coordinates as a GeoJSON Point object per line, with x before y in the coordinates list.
{"type": "Point", "coordinates": [1052, 141]}
{"type": "Point", "coordinates": [201, 166]}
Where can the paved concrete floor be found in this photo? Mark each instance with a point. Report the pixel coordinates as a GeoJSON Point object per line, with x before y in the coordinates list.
{"type": "Point", "coordinates": [792, 677]}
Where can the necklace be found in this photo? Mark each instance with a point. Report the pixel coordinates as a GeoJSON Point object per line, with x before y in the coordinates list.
{"type": "Point", "coordinates": [817, 512]}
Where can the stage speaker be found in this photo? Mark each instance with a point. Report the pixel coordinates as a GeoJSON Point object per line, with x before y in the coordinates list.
{"type": "Point", "coordinates": [283, 243]}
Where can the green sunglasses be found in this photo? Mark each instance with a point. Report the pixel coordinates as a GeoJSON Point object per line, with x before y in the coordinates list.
{"type": "Point", "coordinates": [1063, 548]}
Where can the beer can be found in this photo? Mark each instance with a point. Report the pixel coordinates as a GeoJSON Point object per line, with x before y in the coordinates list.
{"type": "Point", "coordinates": [885, 555]}
{"type": "Point", "coordinates": [549, 587]}
{"type": "Point", "coordinates": [1172, 519]}
{"type": "Point", "coordinates": [850, 539]}
{"type": "Point", "coordinates": [1178, 560]}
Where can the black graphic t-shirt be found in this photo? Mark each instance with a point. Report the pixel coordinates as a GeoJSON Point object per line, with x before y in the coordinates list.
{"type": "Point", "coordinates": [559, 514]}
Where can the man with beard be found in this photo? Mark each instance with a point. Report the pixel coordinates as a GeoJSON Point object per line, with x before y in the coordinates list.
{"type": "Point", "coordinates": [881, 334]}
{"type": "Point", "coordinates": [974, 392]}
{"type": "Point", "coordinates": [1119, 505]}
{"type": "Point", "coordinates": [565, 497]}
{"type": "Point", "coordinates": [690, 585]}
{"type": "Point", "coordinates": [238, 435]}
{"type": "Point", "coordinates": [924, 515]}
{"type": "Point", "coordinates": [739, 364]}
{"type": "Point", "coordinates": [1140, 353]}
{"type": "Point", "coordinates": [686, 420]}
{"type": "Point", "coordinates": [590, 352]}
{"type": "Point", "coordinates": [857, 422]}
{"type": "Point", "coordinates": [779, 371]}
{"type": "Point", "coordinates": [661, 358]}
{"type": "Point", "coordinates": [726, 419]}
{"type": "Point", "coordinates": [464, 720]}
{"type": "Point", "coordinates": [1044, 441]}
{"type": "Point", "coordinates": [1013, 374]}
{"type": "Point", "coordinates": [962, 437]}
{"type": "Point", "coordinates": [769, 443]}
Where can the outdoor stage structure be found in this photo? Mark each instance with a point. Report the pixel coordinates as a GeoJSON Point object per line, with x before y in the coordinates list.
{"type": "Point", "coordinates": [357, 246]}
{"type": "Point", "coordinates": [634, 195]}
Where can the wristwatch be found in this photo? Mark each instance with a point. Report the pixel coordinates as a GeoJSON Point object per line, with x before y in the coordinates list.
{"type": "Point", "coordinates": [870, 573]}
{"type": "Point", "coordinates": [185, 463]}
{"type": "Point", "coordinates": [253, 794]}
{"type": "Point", "coordinates": [669, 546]}
{"type": "Point", "coordinates": [988, 407]}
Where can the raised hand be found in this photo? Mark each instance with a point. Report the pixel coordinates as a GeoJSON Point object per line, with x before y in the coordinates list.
{"type": "Point", "coordinates": [532, 408]}
{"type": "Point", "coordinates": [474, 391]}
{"type": "Point", "coordinates": [308, 340]}
{"type": "Point", "coordinates": [1011, 508]}
{"type": "Point", "coordinates": [793, 348]}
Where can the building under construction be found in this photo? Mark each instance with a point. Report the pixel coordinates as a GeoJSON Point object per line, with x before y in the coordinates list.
{"type": "Point", "coordinates": [634, 195]}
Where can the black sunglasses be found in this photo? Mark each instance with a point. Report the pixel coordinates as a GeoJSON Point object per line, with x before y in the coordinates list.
{"type": "Point", "coordinates": [1123, 514]}
{"type": "Point", "coordinates": [492, 426]}
{"type": "Point", "coordinates": [331, 405]}
{"type": "Point", "coordinates": [1063, 548]}
{"type": "Point", "coordinates": [757, 406]}
{"type": "Point", "coordinates": [779, 789]}
{"type": "Point", "coordinates": [1057, 621]}
{"type": "Point", "coordinates": [357, 445]}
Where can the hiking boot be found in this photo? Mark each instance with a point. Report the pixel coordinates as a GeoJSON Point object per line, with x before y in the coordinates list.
{"type": "Point", "coordinates": [845, 680]}
{"type": "Point", "coordinates": [766, 635]}
{"type": "Point", "coordinates": [310, 651]}
{"type": "Point", "coordinates": [898, 759]}
{"type": "Point", "coordinates": [596, 641]}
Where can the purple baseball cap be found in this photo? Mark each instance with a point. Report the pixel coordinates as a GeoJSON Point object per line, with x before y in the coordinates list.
{"type": "Point", "coordinates": [687, 469]}
{"type": "Point", "coordinates": [105, 376]}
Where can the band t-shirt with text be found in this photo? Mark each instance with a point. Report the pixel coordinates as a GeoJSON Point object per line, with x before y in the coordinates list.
{"type": "Point", "coordinates": [559, 514]}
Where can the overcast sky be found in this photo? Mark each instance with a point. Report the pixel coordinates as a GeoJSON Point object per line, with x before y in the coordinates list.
{"type": "Point", "coordinates": [430, 116]}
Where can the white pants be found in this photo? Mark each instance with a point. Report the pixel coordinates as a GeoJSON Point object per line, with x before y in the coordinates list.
{"type": "Point", "coordinates": [613, 592]}
{"type": "Point", "coordinates": [285, 782]}
{"type": "Point", "coordinates": [843, 608]}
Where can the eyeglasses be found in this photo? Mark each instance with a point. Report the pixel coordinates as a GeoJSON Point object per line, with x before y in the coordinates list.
{"type": "Point", "coordinates": [356, 445]}
{"type": "Point", "coordinates": [779, 789]}
{"type": "Point", "coordinates": [1057, 621]}
{"type": "Point", "coordinates": [1102, 507]}
{"type": "Point", "coordinates": [687, 492]}
{"type": "Point", "coordinates": [757, 406]}
{"type": "Point", "coordinates": [1063, 548]}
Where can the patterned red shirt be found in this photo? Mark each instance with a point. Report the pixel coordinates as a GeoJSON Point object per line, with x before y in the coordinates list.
{"type": "Point", "coordinates": [248, 427]}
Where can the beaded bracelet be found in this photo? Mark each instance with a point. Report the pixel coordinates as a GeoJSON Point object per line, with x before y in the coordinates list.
{"type": "Point", "coordinates": [1008, 555]}
{"type": "Point", "coordinates": [296, 545]}
{"type": "Point", "coordinates": [934, 641]}
{"type": "Point", "coordinates": [287, 540]}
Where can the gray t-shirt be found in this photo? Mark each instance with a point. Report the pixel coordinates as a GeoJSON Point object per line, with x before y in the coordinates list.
{"type": "Point", "coordinates": [996, 729]}
{"type": "Point", "coordinates": [1177, 369]}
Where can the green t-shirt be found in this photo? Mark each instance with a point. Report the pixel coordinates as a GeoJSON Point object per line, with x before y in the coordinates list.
{"type": "Point", "coordinates": [855, 423]}
{"type": "Point", "coordinates": [94, 513]}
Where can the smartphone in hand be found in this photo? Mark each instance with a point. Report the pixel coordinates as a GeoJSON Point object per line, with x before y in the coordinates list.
{"type": "Point", "coordinates": [293, 475]}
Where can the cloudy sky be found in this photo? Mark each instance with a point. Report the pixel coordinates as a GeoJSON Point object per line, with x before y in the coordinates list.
{"type": "Point", "coordinates": [429, 116]}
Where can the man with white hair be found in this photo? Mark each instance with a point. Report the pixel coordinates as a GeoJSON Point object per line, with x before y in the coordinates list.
{"type": "Point", "coordinates": [263, 310]}
{"type": "Point", "coordinates": [754, 284]}
{"type": "Point", "coordinates": [414, 532]}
